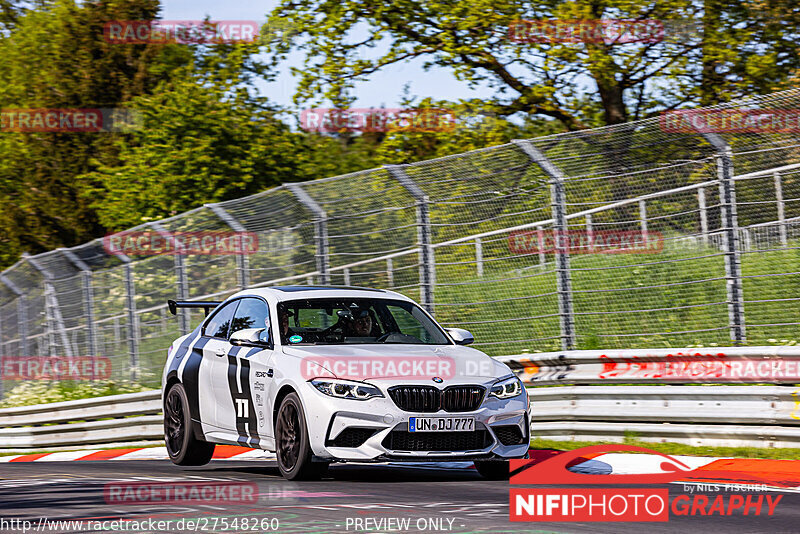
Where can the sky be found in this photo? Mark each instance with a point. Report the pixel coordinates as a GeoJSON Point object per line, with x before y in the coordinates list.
{"type": "Point", "coordinates": [385, 88]}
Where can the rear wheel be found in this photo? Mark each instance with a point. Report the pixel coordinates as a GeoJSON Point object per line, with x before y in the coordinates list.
{"type": "Point", "coordinates": [493, 469]}
{"type": "Point", "coordinates": [292, 442]}
{"type": "Point", "coordinates": [182, 446]}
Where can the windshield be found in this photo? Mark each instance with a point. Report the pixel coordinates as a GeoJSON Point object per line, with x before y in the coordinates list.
{"type": "Point", "coordinates": [358, 320]}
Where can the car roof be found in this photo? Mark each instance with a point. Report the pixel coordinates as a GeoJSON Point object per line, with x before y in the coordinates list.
{"type": "Point", "coordinates": [284, 293]}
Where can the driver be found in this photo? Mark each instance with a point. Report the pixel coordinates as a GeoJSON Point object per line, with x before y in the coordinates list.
{"type": "Point", "coordinates": [362, 324]}
{"type": "Point", "coordinates": [284, 319]}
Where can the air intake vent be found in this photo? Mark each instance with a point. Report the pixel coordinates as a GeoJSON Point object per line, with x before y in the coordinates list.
{"type": "Point", "coordinates": [429, 399]}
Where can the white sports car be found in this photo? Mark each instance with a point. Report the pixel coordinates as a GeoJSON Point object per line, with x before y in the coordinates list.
{"type": "Point", "coordinates": [338, 374]}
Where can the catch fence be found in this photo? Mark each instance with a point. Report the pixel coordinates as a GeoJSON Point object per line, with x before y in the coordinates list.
{"type": "Point", "coordinates": [716, 257]}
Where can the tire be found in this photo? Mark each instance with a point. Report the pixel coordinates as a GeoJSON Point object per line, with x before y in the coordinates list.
{"type": "Point", "coordinates": [182, 446]}
{"type": "Point", "coordinates": [493, 469]}
{"type": "Point", "coordinates": [292, 444]}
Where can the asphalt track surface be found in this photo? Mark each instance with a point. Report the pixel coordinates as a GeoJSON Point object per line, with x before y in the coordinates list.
{"type": "Point", "coordinates": [434, 500]}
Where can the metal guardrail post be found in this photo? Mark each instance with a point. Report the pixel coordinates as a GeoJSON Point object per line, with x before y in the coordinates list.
{"type": "Point", "coordinates": [133, 327]}
{"type": "Point", "coordinates": [53, 318]}
{"type": "Point", "coordinates": [389, 273]}
{"type": "Point", "coordinates": [22, 314]}
{"type": "Point", "coordinates": [182, 284]}
{"type": "Point", "coordinates": [427, 267]}
{"type": "Point", "coordinates": [730, 237]}
{"type": "Point", "coordinates": [781, 209]}
{"type": "Point", "coordinates": [242, 260]}
{"type": "Point", "coordinates": [701, 202]}
{"type": "Point", "coordinates": [479, 256]}
{"type": "Point", "coordinates": [322, 253]}
{"type": "Point", "coordinates": [88, 297]}
{"type": "Point", "coordinates": [559, 209]}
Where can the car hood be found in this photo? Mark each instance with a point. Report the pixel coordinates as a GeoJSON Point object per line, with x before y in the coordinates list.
{"type": "Point", "coordinates": [396, 362]}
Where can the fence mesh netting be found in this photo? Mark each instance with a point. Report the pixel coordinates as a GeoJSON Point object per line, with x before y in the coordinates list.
{"type": "Point", "coordinates": [522, 244]}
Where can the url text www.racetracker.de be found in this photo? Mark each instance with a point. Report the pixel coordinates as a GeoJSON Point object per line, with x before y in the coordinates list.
{"type": "Point", "coordinates": [201, 524]}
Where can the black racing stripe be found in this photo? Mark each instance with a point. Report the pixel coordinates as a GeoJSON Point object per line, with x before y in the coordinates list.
{"type": "Point", "coordinates": [252, 420]}
{"type": "Point", "coordinates": [180, 352]}
{"type": "Point", "coordinates": [240, 421]}
{"type": "Point", "coordinates": [191, 379]}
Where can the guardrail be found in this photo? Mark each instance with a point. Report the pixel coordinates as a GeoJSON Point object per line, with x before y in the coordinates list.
{"type": "Point", "coordinates": [765, 365]}
{"type": "Point", "coordinates": [111, 419]}
{"type": "Point", "coordinates": [716, 415]}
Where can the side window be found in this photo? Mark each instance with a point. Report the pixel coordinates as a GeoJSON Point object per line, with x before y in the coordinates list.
{"type": "Point", "coordinates": [251, 313]}
{"type": "Point", "coordinates": [408, 324]}
{"type": "Point", "coordinates": [221, 321]}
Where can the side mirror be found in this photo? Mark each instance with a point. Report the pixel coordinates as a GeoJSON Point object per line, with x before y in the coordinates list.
{"type": "Point", "coordinates": [460, 336]}
{"type": "Point", "coordinates": [251, 337]}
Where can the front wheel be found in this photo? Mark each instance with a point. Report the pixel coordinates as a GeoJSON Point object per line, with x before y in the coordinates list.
{"type": "Point", "coordinates": [292, 442]}
{"type": "Point", "coordinates": [182, 446]}
{"type": "Point", "coordinates": [493, 469]}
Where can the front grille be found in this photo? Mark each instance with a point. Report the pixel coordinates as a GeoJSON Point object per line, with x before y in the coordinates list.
{"type": "Point", "coordinates": [509, 434]}
{"type": "Point", "coordinates": [402, 440]}
{"type": "Point", "coordinates": [429, 399]}
{"type": "Point", "coordinates": [351, 437]}
{"type": "Point", "coordinates": [462, 398]}
{"type": "Point", "coordinates": [416, 398]}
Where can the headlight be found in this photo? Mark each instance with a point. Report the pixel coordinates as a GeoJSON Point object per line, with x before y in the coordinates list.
{"type": "Point", "coordinates": [343, 389]}
{"type": "Point", "coordinates": [507, 388]}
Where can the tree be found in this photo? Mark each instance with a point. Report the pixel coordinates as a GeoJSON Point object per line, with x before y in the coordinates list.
{"type": "Point", "coordinates": [578, 84]}
{"type": "Point", "coordinates": [55, 57]}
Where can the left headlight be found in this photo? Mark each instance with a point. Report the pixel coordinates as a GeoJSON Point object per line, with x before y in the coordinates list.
{"type": "Point", "coordinates": [507, 388]}
{"type": "Point", "coordinates": [344, 389]}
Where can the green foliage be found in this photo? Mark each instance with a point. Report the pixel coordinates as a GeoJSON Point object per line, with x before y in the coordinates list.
{"type": "Point", "coordinates": [713, 51]}
{"type": "Point", "coordinates": [42, 392]}
{"type": "Point", "coordinates": [55, 57]}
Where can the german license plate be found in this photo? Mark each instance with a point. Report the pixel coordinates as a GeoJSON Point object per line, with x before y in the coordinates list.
{"type": "Point", "coordinates": [441, 424]}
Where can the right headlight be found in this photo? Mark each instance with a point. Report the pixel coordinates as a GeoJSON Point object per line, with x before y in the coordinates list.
{"type": "Point", "coordinates": [507, 388]}
{"type": "Point", "coordinates": [343, 389]}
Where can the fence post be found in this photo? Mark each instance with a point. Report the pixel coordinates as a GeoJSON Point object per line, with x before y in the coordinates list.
{"type": "Point", "coordinates": [781, 209]}
{"type": "Point", "coordinates": [22, 315]}
{"type": "Point", "coordinates": [427, 266]}
{"type": "Point", "coordinates": [88, 298]}
{"type": "Point", "coordinates": [133, 328]}
{"type": "Point", "coordinates": [181, 283]}
{"type": "Point", "coordinates": [730, 237]}
{"type": "Point", "coordinates": [389, 273]}
{"type": "Point", "coordinates": [320, 230]}
{"type": "Point", "coordinates": [701, 201]}
{"type": "Point", "coordinates": [52, 310]}
{"type": "Point", "coordinates": [558, 204]}
{"type": "Point", "coordinates": [242, 260]}
{"type": "Point", "coordinates": [479, 256]}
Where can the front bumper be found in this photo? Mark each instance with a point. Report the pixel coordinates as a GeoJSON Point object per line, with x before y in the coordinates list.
{"type": "Point", "coordinates": [329, 417]}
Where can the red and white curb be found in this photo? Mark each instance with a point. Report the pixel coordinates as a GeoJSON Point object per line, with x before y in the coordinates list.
{"type": "Point", "coordinates": [221, 452]}
{"type": "Point", "coordinates": [778, 474]}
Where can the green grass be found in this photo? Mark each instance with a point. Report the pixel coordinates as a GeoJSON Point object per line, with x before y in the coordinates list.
{"type": "Point", "coordinates": [691, 296]}
{"type": "Point", "coordinates": [677, 449]}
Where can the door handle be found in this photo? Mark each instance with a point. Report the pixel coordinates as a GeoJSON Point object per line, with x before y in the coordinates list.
{"type": "Point", "coordinates": [269, 373]}
{"type": "Point", "coordinates": [220, 352]}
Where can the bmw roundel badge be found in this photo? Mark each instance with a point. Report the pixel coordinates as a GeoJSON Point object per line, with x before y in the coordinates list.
{"type": "Point", "coordinates": [437, 380]}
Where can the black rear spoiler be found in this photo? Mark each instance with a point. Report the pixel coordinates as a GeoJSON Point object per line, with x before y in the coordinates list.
{"type": "Point", "coordinates": [207, 305]}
